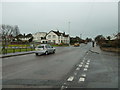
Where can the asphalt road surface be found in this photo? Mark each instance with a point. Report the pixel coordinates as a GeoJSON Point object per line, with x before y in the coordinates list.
{"type": "Point", "coordinates": [68, 67]}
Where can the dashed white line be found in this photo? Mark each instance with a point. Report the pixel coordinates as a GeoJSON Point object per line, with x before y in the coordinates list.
{"type": "Point", "coordinates": [81, 62]}
{"type": "Point", "coordinates": [78, 68]}
{"type": "Point", "coordinates": [83, 75]}
{"type": "Point", "coordinates": [87, 63]}
{"type": "Point", "coordinates": [70, 78]}
{"type": "Point", "coordinates": [86, 66]}
{"type": "Point", "coordinates": [85, 69]}
{"type": "Point", "coordinates": [62, 88]}
{"type": "Point", "coordinates": [80, 65]}
{"type": "Point", "coordinates": [81, 79]}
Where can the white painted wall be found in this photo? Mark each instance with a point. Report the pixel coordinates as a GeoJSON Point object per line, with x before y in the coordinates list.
{"type": "Point", "coordinates": [37, 36]}
{"type": "Point", "coordinates": [58, 39]}
{"type": "Point", "coordinates": [52, 36]}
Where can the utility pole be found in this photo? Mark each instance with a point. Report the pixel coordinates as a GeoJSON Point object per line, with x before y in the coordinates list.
{"type": "Point", "coordinates": [69, 31]}
{"type": "Point", "coordinates": [80, 36]}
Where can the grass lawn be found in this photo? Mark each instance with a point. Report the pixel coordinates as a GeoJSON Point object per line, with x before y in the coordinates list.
{"type": "Point", "coordinates": [11, 50]}
{"type": "Point", "coordinates": [19, 45]}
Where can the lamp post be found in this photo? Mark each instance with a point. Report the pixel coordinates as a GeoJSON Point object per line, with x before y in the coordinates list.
{"type": "Point", "coordinates": [80, 36]}
{"type": "Point", "coordinates": [69, 31]}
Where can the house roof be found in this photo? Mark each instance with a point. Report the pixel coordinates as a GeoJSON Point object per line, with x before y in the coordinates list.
{"type": "Point", "coordinates": [59, 33]}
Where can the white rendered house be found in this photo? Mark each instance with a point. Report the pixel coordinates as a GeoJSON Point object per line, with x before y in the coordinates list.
{"type": "Point", "coordinates": [37, 37]}
{"type": "Point", "coordinates": [57, 37]}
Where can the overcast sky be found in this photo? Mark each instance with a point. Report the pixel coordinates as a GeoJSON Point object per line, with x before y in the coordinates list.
{"type": "Point", "coordinates": [87, 18]}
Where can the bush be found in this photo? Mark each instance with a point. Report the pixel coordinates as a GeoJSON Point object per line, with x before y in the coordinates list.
{"type": "Point", "coordinates": [112, 43]}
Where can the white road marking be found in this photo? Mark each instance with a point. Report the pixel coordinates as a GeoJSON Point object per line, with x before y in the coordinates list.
{"type": "Point", "coordinates": [81, 79]}
{"type": "Point", "coordinates": [83, 75]}
{"type": "Point", "coordinates": [80, 65]}
{"type": "Point", "coordinates": [86, 66]}
{"type": "Point", "coordinates": [70, 78]}
{"type": "Point", "coordinates": [78, 68]}
{"type": "Point", "coordinates": [62, 87]}
{"type": "Point", "coordinates": [87, 63]}
{"type": "Point", "coordinates": [81, 62]}
{"type": "Point", "coordinates": [85, 69]}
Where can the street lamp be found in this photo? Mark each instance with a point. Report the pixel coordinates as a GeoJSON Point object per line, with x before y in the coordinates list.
{"type": "Point", "coordinates": [69, 31]}
{"type": "Point", "coordinates": [80, 36]}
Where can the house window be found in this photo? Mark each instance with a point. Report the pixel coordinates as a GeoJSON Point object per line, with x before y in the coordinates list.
{"type": "Point", "coordinates": [54, 36]}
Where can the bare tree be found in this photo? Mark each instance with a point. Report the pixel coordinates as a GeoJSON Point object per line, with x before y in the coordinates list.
{"type": "Point", "coordinates": [109, 38]}
{"type": "Point", "coordinates": [7, 33]}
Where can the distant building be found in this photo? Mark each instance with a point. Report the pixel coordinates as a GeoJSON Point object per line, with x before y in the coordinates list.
{"type": "Point", "coordinates": [57, 37]}
{"type": "Point", "coordinates": [24, 37]}
{"type": "Point", "coordinates": [39, 37]}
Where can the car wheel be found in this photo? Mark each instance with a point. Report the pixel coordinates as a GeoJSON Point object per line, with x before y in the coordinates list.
{"type": "Point", "coordinates": [36, 54]}
{"type": "Point", "coordinates": [54, 51]}
{"type": "Point", "coordinates": [46, 53]}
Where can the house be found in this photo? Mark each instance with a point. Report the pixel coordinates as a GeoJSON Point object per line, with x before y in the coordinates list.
{"type": "Point", "coordinates": [24, 37]}
{"type": "Point", "coordinates": [57, 37]}
{"type": "Point", "coordinates": [39, 37]}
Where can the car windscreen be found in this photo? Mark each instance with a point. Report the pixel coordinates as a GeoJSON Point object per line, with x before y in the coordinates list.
{"type": "Point", "coordinates": [40, 47]}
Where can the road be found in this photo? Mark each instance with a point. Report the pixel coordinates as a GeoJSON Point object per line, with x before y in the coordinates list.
{"type": "Point", "coordinates": [68, 67]}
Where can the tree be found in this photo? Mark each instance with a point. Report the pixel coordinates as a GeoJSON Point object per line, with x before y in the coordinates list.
{"type": "Point", "coordinates": [118, 35]}
{"type": "Point", "coordinates": [75, 40]}
{"type": "Point", "coordinates": [7, 33]}
{"type": "Point", "coordinates": [108, 37]}
{"type": "Point", "coordinates": [99, 39]}
{"type": "Point", "coordinates": [31, 39]}
{"type": "Point", "coordinates": [88, 39]}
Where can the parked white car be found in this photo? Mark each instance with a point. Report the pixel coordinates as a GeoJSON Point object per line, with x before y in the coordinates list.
{"type": "Point", "coordinates": [44, 49]}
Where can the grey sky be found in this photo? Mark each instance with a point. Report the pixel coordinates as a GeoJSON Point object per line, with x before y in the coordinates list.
{"type": "Point", "coordinates": [88, 18]}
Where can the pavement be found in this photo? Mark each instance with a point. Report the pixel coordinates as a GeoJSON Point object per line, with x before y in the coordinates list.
{"type": "Point", "coordinates": [96, 49]}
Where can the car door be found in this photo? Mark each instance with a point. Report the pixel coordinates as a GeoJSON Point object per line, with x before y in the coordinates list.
{"type": "Point", "coordinates": [51, 49]}
{"type": "Point", "coordinates": [48, 48]}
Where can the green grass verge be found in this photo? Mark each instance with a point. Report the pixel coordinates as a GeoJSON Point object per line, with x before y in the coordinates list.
{"type": "Point", "coordinates": [11, 50]}
{"type": "Point", "coordinates": [18, 45]}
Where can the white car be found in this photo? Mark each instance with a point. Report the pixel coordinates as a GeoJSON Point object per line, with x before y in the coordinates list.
{"type": "Point", "coordinates": [44, 49]}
